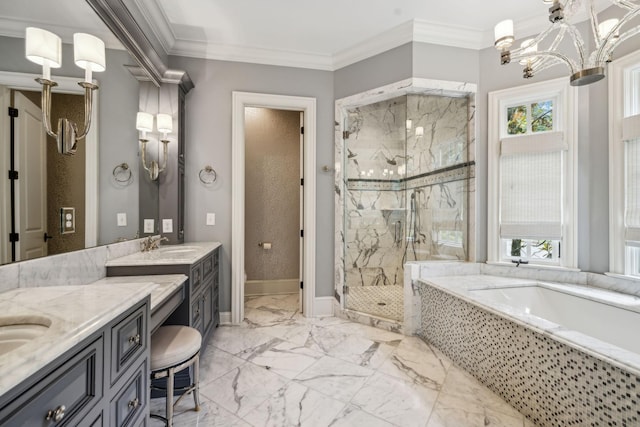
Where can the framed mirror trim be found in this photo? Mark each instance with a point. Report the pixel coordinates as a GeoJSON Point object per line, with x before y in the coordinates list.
{"type": "Point", "coordinates": [152, 64]}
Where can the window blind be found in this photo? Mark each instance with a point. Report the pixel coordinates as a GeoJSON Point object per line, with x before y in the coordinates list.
{"type": "Point", "coordinates": [531, 195]}
{"type": "Point", "coordinates": [632, 189]}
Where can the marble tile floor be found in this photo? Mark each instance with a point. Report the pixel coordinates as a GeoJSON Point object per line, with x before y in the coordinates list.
{"type": "Point", "coordinates": [281, 369]}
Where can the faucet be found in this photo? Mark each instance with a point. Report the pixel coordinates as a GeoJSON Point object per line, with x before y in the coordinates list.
{"type": "Point", "coordinates": [150, 243]}
{"type": "Point", "coordinates": [519, 261]}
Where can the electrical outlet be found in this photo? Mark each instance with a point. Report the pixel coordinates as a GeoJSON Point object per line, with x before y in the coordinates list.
{"type": "Point", "coordinates": [149, 225]}
{"type": "Point", "coordinates": [211, 218]}
{"type": "Point", "coordinates": [67, 220]}
{"type": "Point", "coordinates": [122, 219]}
{"type": "Point", "coordinates": [167, 225]}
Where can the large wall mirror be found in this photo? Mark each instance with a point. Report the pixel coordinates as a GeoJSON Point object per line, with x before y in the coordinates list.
{"type": "Point", "coordinates": [109, 200]}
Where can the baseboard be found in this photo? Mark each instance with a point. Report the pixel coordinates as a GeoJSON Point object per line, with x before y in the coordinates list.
{"type": "Point", "coordinates": [271, 287]}
{"type": "Point", "coordinates": [323, 306]}
{"type": "Point", "coordinates": [225, 318]}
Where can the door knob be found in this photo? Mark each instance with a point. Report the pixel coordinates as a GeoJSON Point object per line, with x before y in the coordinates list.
{"type": "Point", "coordinates": [47, 237]}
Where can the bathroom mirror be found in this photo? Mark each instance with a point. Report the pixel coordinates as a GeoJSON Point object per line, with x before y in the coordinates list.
{"type": "Point", "coordinates": [105, 207]}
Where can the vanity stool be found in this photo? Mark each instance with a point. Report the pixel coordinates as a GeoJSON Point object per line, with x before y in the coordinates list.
{"type": "Point", "coordinates": [174, 348]}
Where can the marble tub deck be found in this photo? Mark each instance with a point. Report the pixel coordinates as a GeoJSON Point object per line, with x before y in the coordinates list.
{"type": "Point", "coordinates": [281, 369]}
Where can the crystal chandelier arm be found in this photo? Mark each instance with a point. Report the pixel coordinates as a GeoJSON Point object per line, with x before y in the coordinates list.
{"type": "Point", "coordinates": [578, 43]}
{"type": "Point", "coordinates": [593, 19]}
{"type": "Point", "coordinates": [548, 61]}
{"type": "Point", "coordinates": [606, 48]}
{"type": "Point", "coordinates": [559, 57]}
{"type": "Point", "coordinates": [626, 4]}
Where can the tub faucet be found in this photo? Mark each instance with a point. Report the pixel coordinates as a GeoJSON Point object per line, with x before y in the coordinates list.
{"type": "Point", "coordinates": [518, 262]}
{"type": "Point", "coordinates": [150, 243]}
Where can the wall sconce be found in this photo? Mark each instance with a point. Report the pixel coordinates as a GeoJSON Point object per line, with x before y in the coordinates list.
{"type": "Point", "coordinates": [45, 48]}
{"type": "Point", "coordinates": [144, 123]}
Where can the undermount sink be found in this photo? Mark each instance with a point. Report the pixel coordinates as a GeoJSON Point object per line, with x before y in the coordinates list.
{"type": "Point", "coordinates": [178, 249]}
{"type": "Point", "coordinates": [16, 331]}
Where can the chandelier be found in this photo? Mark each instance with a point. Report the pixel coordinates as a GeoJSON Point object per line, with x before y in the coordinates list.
{"type": "Point", "coordinates": [587, 67]}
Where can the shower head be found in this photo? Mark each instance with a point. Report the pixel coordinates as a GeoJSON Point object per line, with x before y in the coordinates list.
{"type": "Point", "coordinates": [351, 154]}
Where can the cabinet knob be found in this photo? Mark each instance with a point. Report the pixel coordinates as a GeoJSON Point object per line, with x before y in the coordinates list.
{"type": "Point", "coordinates": [133, 404]}
{"type": "Point", "coordinates": [135, 339]}
{"type": "Point", "coordinates": [57, 414]}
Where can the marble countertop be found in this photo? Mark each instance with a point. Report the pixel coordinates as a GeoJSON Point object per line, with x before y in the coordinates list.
{"type": "Point", "coordinates": [164, 285]}
{"type": "Point", "coordinates": [186, 253]}
{"type": "Point", "coordinates": [462, 286]}
{"type": "Point", "coordinates": [75, 312]}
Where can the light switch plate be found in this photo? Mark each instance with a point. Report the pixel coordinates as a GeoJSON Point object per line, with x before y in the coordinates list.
{"type": "Point", "coordinates": [122, 219]}
{"type": "Point", "coordinates": [167, 225]}
{"type": "Point", "coordinates": [67, 220]}
{"type": "Point", "coordinates": [148, 225]}
{"type": "Point", "coordinates": [211, 218]}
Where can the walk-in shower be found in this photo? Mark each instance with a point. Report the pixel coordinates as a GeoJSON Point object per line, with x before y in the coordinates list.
{"type": "Point", "coordinates": [404, 188]}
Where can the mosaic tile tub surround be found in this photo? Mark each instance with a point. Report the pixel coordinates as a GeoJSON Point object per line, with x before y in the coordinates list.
{"type": "Point", "coordinates": [553, 376]}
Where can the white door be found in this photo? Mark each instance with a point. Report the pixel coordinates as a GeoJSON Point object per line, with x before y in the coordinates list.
{"type": "Point", "coordinates": [301, 302]}
{"type": "Point", "coordinates": [31, 163]}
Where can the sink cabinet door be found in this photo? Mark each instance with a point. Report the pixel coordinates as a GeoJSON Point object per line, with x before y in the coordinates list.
{"type": "Point", "coordinates": [64, 397]}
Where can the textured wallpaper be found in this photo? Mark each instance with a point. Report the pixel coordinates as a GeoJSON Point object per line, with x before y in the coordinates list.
{"type": "Point", "coordinates": [65, 174]}
{"type": "Point", "coordinates": [272, 193]}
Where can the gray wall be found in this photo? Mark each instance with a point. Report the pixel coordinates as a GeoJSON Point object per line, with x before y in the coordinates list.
{"type": "Point", "coordinates": [117, 137]}
{"type": "Point", "coordinates": [118, 143]}
{"type": "Point", "coordinates": [386, 68]}
{"type": "Point", "coordinates": [208, 130]}
{"type": "Point", "coordinates": [431, 61]}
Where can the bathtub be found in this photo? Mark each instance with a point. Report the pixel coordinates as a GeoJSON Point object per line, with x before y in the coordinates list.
{"type": "Point", "coordinates": [560, 354]}
{"type": "Point", "coordinates": [607, 316]}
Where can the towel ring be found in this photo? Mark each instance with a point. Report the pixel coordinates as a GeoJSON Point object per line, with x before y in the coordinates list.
{"type": "Point", "coordinates": [122, 174]}
{"type": "Point", "coordinates": [208, 175]}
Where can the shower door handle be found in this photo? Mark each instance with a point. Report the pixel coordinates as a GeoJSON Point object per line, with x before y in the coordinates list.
{"type": "Point", "coordinates": [397, 228]}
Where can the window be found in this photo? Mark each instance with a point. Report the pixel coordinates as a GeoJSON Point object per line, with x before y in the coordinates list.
{"type": "Point", "coordinates": [624, 170]}
{"type": "Point", "coordinates": [531, 175]}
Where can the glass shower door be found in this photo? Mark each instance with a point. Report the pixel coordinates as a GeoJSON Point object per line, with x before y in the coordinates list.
{"type": "Point", "coordinates": [375, 208]}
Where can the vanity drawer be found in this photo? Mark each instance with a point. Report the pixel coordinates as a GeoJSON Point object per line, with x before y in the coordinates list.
{"type": "Point", "coordinates": [207, 266]}
{"type": "Point", "coordinates": [196, 278]}
{"type": "Point", "coordinates": [128, 341]}
{"type": "Point", "coordinates": [65, 395]}
{"type": "Point", "coordinates": [130, 402]}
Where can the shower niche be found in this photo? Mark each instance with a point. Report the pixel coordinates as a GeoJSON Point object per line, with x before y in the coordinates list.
{"type": "Point", "coordinates": [405, 189]}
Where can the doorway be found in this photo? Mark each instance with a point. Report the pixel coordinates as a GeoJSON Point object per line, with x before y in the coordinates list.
{"type": "Point", "coordinates": [274, 145]}
{"type": "Point", "coordinates": [307, 106]}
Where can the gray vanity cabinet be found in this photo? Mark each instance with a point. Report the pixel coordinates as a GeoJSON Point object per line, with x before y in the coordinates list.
{"type": "Point", "coordinates": [200, 308]}
{"type": "Point", "coordinates": [102, 381]}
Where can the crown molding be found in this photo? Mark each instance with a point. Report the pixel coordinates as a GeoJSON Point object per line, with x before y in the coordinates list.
{"type": "Point", "coordinates": [420, 31]}
{"type": "Point", "coordinates": [395, 37]}
{"type": "Point", "coordinates": [224, 52]}
{"type": "Point", "coordinates": [159, 23]}
{"type": "Point", "coordinates": [11, 27]}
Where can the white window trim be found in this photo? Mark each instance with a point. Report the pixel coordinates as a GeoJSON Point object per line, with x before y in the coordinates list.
{"type": "Point", "coordinates": [619, 78]}
{"type": "Point", "coordinates": [567, 119]}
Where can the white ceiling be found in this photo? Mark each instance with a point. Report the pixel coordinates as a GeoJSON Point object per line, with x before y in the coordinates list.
{"type": "Point", "coordinates": [320, 34]}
